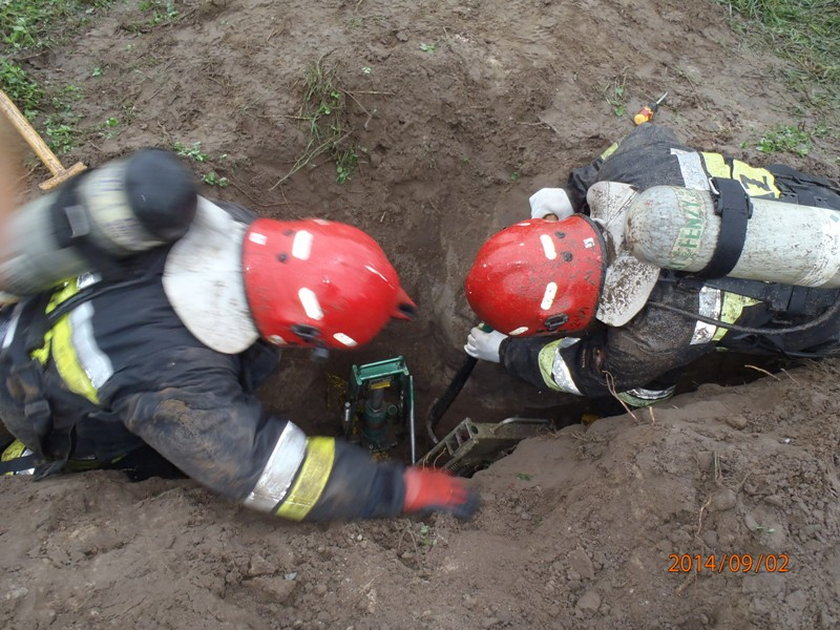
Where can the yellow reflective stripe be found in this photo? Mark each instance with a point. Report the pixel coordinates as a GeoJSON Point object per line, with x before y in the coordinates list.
{"type": "Point", "coordinates": [67, 362]}
{"type": "Point", "coordinates": [609, 150]}
{"type": "Point", "coordinates": [312, 479]}
{"type": "Point", "coordinates": [546, 361]}
{"type": "Point", "coordinates": [733, 306]}
{"type": "Point", "coordinates": [715, 165]}
{"type": "Point", "coordinates": [13, 451]}
{"type": "Point", "coordinates": [758, 182]}
{"type": "Point", "coordinates": [58, 341]}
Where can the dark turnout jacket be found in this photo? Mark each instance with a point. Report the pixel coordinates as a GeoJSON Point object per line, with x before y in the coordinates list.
{"type": "Point", "coordinates": [119, 372]}
{"type": "Point", "coordinates": [641, 359]}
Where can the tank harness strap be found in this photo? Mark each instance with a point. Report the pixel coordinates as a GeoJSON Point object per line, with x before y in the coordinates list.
{"type": "Point", "coordinates": [733, 205]}
{"type": "Point", "coordinates": [18, 464]}
{"type": "Point", "coordinates": [73, 229]}
{"type": "Point", "coordinates": [51, 445]}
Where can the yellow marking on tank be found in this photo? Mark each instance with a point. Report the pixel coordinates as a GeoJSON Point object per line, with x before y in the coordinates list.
{"type": "Point", "coordinates": [691, 232]}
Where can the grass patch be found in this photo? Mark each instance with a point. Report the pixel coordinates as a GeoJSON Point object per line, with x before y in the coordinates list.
{"type": "Point", "coordinates": [19, 87]}
{"type": "Point", "coordinates": [324, 110]}
{"type": "Point", "coordinates": [28, 26]}
{"type": "Point", "coordinates": [805, 32]}
{"type": "Point", "coordinates": [32, 24]}
{"type": "Point", "coordinates": [157, 12]}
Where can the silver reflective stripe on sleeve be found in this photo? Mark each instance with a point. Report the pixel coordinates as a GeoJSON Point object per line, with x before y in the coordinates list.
{"type": "Point", "coordinates": [560, 371]}
{"type": "Point", "coordinates": [280, 470]}
{"type": "Point", "coordinates": [710, 303]}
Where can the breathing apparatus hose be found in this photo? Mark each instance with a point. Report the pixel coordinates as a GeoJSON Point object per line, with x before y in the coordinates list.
{"type": "Point", "coordinates": [440, 405]}
{"type": "Point", "coordinates": [830, 312]}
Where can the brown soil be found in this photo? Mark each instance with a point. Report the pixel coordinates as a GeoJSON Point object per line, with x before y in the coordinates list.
{"type": "Point", "coordinates": [463, 109]}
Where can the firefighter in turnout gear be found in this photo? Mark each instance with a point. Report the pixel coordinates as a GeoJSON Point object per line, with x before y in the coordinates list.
{"type": "Point", "coordinates": [652, 256]}
{"type": "Point", "coordinates": [149, 361]}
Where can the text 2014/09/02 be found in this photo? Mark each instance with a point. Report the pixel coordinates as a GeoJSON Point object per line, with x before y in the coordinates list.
{"type": "Point", "coordinates": [729, 562]}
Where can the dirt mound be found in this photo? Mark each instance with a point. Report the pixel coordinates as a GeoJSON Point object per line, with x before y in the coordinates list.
{"type": "Point", "coordinates": [717, 510]}
{"type": "Point", "coordinates": [453, 112]}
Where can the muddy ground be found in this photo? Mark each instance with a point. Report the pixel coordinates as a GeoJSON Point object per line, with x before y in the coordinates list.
{"type": "Point", "coordinates": [458, 111]}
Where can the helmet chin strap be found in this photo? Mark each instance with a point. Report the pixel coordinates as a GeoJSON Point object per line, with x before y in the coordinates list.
{"type": "Point", "coordinates": [312, 335]}
{"type": "Point", "coordinates": [320, 354]}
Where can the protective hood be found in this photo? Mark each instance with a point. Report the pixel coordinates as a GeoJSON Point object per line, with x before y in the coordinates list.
{"type": "Point", "coordinates": [203, 281]}
{"type": "Point", "coordinates": [628, 281]}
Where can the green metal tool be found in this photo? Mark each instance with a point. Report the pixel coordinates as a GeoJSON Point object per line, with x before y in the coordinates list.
{"type": "Point", "coordinates": [380, 405]}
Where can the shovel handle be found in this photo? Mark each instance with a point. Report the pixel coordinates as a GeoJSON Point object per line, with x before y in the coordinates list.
{"type": "Point", "coordinates": [59, 173]}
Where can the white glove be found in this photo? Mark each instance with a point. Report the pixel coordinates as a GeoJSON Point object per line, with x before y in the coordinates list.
{"type": "Point", "coordinates": [550, 201]}
{"type": "Point", "coordinates": [484, 345]}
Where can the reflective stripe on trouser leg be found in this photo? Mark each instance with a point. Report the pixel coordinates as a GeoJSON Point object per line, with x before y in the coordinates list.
{"type": "Point", "coordinates": [313, 477]}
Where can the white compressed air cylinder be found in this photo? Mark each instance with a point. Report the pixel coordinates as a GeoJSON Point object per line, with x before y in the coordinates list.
{"type": "Point", "coordinates": [677, 228]}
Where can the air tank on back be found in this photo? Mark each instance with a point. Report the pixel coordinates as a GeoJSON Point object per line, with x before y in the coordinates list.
{"type": "Point", "coordinates": [112, 212]}
{"type": "Point", "coordinates": [677, 228]}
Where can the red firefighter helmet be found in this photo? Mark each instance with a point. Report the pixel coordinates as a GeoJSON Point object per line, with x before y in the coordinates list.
{"type": "Point", "coordinates": [319, 283]}
{"type": "Point", "coordinates": [539, 276]}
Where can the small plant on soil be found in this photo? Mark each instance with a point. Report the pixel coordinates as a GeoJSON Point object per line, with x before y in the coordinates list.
{"type": "Point", "coordinates": [324, 110]}
{"type": "Point", "coordinates": [192, 152]}
{"type": "Point", "coordinates": [162, 12]}
{"type": "Point", "coordinates": [616, 95]}
{"type": "Point", "coordinates": [19, 87]}
{"type": "Point", "coordinates": [213, 179]}
{"type": "Point", "coordinates": [785, 140]}
{"type": "Point", "coordinates": [426, 536]}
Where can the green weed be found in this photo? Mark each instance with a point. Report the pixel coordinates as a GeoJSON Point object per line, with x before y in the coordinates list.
{"type": "Point", "coordinates": [32, 24]}
{"type": "Point", "coordinates": [324, 110]}
{"type": "Point", "coordinates": [426, 536]}
{"type": "Point", "coordinates": [14, 81]}
{"type": "Point", "coordinates": [214, 180]}
{"type": "Point", "coordinates": [785, 140]}
{"type": "Point", "coordinates": [615, 94]}
{"type": "Point", "coordinates": [61, 132]}
{"type": "Point", "coordinates": [163, 11]}
{"type": "Point", "coordinates": [193, 152]}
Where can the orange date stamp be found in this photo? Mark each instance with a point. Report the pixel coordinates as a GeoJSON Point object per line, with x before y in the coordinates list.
{"type": "Point", "coordinates": [729, 563]}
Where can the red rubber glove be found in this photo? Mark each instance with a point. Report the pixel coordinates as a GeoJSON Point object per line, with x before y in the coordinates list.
{"type": "Point", "coordinates": [435, 490]}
